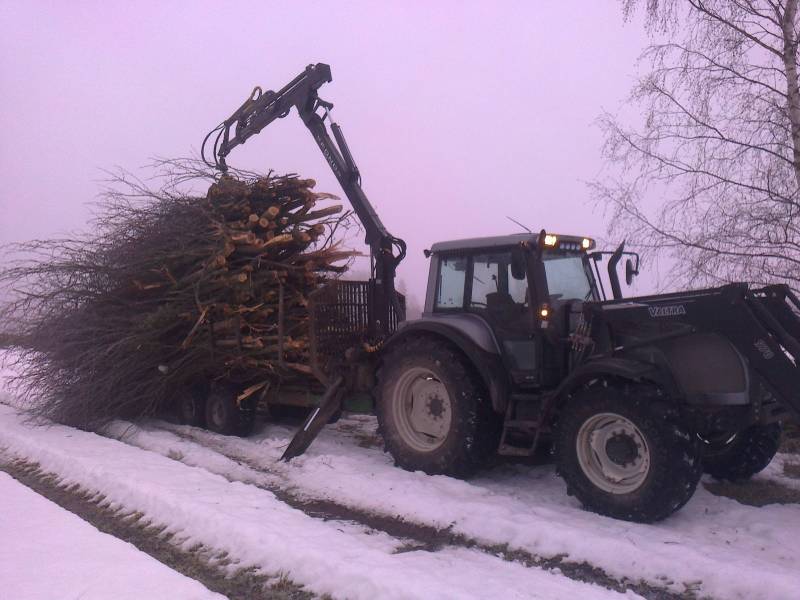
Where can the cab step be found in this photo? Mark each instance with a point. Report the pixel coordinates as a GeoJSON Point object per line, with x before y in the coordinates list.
{"type": "Point", "coordinates": [525, 426]}
{"type": "Point", "coordinates": [508, 450]}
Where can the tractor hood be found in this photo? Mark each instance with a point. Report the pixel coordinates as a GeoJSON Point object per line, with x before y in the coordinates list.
{"type": "Point", "coordinates": [760, 325]}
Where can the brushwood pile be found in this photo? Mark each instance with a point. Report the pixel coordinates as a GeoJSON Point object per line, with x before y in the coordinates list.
{"type": "Point", "coordinates": [168, 290]}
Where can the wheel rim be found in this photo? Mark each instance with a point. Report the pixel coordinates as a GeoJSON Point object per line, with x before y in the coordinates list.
{"type": "Point", "coordinates": [613, 453]}
{"type": "Point", "coordinates": [717, 442]}
{"type": "Point", "coordinates": [421, 409]}
{"type": "Point", "coordinates": [217, 413]}
{"type": "Point", "coordinates": [188, 409]}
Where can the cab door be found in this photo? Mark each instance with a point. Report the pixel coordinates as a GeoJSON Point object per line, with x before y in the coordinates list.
{"type": "Point", "coordinates": [504, 302]}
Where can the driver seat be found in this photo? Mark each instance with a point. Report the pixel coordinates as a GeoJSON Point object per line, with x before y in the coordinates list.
{"type": "Point", "coordinates": [498, 301]}
{"type": "Point", "coordinates": [502, 308]}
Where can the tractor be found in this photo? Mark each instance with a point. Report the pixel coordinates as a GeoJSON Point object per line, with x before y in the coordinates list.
{"type": "Point", "coordinates": [520, 347]}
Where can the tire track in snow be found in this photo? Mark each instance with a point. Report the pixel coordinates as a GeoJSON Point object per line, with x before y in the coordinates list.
{"type": "Point", "coordinates": [709, 548]}
{"type": "Point", "coordinates": [215, 571]}
{"type": "Point", "coordinates": [257, 529]}
{"type": "Point", "coordinates": [417, 536]}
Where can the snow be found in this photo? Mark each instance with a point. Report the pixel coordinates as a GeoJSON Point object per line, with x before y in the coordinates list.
{"type": "Point", "coordinates": [714, 544]}
{"type": "Point", "coordinates": [775, 471]}
{"type": "Point", "coordinates": [341, 559]}
{"type": "Point", "coordinates": [48, 552]}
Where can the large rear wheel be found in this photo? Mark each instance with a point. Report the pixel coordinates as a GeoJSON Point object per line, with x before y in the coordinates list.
{"type": "Point", "coordinates": [432, 409]}
{"type": "Point", "coordinates": [624, 454]}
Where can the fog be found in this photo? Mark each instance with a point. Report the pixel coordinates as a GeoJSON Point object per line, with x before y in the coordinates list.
{"type": "Point", "coordinates": [459, 114]}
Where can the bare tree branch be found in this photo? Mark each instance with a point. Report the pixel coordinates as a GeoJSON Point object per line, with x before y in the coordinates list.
{"type": "Point", "coordinates": [168, 290]}
{"type": "Point", "coordinates": [710, 179]}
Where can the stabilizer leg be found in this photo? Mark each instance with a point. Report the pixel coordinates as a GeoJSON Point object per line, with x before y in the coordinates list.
{"type": "Point", "coordinates": [330, 403]}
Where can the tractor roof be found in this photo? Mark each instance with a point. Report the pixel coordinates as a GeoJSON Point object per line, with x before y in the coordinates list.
{"type": "Point", "coordinates": [560, 241]}
{"type": "Point", "coordinates": [494, 241]}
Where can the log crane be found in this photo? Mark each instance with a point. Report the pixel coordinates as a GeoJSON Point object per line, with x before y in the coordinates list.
{"type": "Point", "coordinates": [261, 109]}
{"type": "Point", "coordinates": [383, 307]}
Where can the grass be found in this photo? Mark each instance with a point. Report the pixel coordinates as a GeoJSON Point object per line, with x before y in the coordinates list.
{"type": "Point", "coordinates": [791, 438]}
{"type": "Point", "coordinates": [792, 470]}
{"type": "Point", "coordinates": [754, 492]}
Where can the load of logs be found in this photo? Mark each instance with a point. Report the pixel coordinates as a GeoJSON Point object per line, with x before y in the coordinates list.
{"type": "Point", "coordinates": [172, 289]}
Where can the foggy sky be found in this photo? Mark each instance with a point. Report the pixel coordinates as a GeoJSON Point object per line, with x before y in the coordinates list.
{"type": "Point", "coordinates": [458, 113]}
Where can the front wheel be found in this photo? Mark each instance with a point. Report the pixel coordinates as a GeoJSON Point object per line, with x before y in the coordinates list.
{"type": "Point", "coordinates": [738, 456]}
{"type": "Point", "coordinates": [624, 455]}
{"type": "Point", "coordinates": [433, 412]}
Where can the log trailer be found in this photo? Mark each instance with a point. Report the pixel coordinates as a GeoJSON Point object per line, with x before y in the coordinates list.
{"type": "Point", "coordinates": [519, 348]}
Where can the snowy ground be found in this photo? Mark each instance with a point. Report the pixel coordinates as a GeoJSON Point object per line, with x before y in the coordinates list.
{"type": "Point", "coordinates": [715, 545]}
{"type": "Point", "coordinates": [342, 520]}
{"type": "Point", "coordinates": [48, 552]}
{"type": "Point", "coordinates": [250, 523]}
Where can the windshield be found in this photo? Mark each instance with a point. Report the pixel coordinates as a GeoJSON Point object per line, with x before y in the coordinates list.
{"type": "Point", "coordinates": [567, 277]}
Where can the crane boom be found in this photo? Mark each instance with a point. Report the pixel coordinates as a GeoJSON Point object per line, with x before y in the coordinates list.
{"type": "Point", "coordinates": [261, 109]}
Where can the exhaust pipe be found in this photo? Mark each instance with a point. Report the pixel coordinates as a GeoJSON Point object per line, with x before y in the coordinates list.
{"type": "Point", "coordinates": [613, 277]}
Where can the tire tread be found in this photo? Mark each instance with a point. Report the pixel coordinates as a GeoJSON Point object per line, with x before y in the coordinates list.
{"type": "Point", "coordinates": [674, 450]}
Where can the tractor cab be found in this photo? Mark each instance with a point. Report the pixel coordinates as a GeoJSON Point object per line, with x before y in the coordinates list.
{"type": "Point", "coordinates": [521, 294]}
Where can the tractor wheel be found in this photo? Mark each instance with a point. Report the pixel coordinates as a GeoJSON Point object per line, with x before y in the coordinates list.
{"type": "Point", "coordinates": [433, 411]}
{"type": "Point", "coordinates": [224, 416]}
{"type": "Point", "coordinates": [191, 406]}
{"type": "Point", "coordinates": [625, 455]}
{"type": "Point", "coordinates": [737, 456]}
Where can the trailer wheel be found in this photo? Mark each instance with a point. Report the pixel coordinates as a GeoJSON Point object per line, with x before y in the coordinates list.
{"type": "Point", "coordinates": [432, 409]}
{"type": "Point", "coordinates": [224, 416]}
{"type": "Point", "coordinates": [624, 454]}
{"type": "Point", "coordinates": [737, 456]}
{"type": "Point", "coordinates": [191, 406]}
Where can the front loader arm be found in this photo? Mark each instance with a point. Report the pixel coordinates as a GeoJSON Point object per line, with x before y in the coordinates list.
{"type": "Point", "coordinates": [261, 109]}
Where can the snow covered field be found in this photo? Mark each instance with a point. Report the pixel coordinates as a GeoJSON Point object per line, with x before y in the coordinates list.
{"type": "Point", "coordinates": [233, 495]}
{"type": "Point", "coordinates": [714, 545]}
{"type": "Point", "coordinates": [337, 558]}
{"type": "Point", "coordinates": [48, 552]}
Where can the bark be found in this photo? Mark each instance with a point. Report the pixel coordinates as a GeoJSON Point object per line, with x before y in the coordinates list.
{"type": "Point", "coordinates": [789, 56]}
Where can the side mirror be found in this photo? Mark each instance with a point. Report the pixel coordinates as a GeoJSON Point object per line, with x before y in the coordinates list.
{"type": "Point", "coordinates": [518, 263]}
{"type": "Point", "coordinates": [630, 271]}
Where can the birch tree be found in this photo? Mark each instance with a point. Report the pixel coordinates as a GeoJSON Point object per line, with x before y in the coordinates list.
{"type": "Point", "coordinates": [709, 178]}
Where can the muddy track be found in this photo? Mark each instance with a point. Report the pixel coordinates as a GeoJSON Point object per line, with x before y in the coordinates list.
{"type": "Point", "coordinates": [425, 537]}
{"type": "Point", "coordinates": [211, 568]}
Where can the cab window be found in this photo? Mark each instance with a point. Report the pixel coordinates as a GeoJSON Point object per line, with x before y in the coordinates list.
{"type": "Point", "coordinates": [485, 279]}
{"type": "Point", "coordinates": [450, 287]}
{"type": "Point", "coordinates": [567, 278]}
{"type": "Point", "coordinates": [493, 283]}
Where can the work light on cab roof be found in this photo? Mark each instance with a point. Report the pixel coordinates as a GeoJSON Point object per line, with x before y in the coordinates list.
{"type": "Point", "coordinates": [565, 242]}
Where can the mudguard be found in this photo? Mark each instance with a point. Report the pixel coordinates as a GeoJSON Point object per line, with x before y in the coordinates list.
{"type": "Point", "coordinates": [485, 358]}
{"type": "Point", "coordinates": [623, 368]}
{"type": "Point", "coordinates": [707, 368]}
